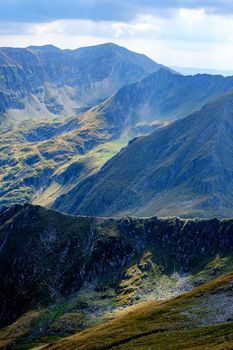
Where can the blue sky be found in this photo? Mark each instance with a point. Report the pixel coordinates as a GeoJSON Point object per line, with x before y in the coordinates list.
{"type": "Point", "coordinates": [191, 33]}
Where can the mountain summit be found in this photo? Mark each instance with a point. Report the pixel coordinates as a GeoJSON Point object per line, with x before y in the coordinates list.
{"type": "Point", "coordinates": [44, 48]}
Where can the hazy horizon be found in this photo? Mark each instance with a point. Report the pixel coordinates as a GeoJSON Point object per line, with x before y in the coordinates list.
{"type": "Point", "coordinates": [185, 70]}
{"type": "Point", "coordinates": [179, 34]}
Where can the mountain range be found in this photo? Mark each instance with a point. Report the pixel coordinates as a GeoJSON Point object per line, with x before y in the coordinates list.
{"type": "Point", "coordinates": [182, 169]}
{"type": "Point", "coordinates": [116, 184]}
{"type": "Point", "coordinates": [160, 97]}
{"type": "Point", "coordinates": [43, 82]}
{"type": "Point", "coordinates": [44, 159]}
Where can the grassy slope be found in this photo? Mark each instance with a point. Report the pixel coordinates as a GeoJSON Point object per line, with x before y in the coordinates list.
{"type": "Point", "coordinates": [149, 275]}
{"type": "Point", "coordinates": [91, 307]}
{"type": "Point", "coordinates": [92, 161]}
{"type": "Point", "coordinates": [34, 171]}
{"type": "Point", "coordinates": [183, 169]}
{"type": "Point", "coordinates": [11, 334]}
{"type": "Point", "coordinates": [175, 324]}
{"type": "Point", "coordinates": [29, 169]}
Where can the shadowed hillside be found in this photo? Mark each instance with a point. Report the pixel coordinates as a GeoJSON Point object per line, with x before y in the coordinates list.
{"type": "Point", "coordinates": [183, 169]}
{"type": "Point", "coordinates": [60, 274]}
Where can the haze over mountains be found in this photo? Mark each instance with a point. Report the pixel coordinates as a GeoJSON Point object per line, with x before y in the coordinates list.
{"type": "Point", "coordinates": [158, 98]}
{"type": "Point", "coordinates": [194, 71]}
{"type": "Point", "coordinates": [45, 81]}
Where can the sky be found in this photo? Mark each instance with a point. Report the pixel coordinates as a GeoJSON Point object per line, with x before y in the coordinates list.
{"type": "Point", "coordinates": [181, 33]}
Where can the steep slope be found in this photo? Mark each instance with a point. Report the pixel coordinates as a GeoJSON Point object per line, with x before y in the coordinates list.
{"type": "Point", "coordinates": [41, 160]}
{"type": "Point", "coordinates": [49, 257]}
{"type": "Point", "coordinates": [198, 320]}
{"type": "Point", "coordinates": [61, 273]}
{"type": "Point", "coordinates": [46, 81]}
{"type": "Point", "coordinates": [182, 169]}
{"type": "Point", "coordinates": [44, 159]}
{"type": "Point", "coordinates": [158, 98]}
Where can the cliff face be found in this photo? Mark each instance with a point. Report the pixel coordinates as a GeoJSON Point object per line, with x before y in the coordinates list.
{"type": "Point", "coordinates": [46, 255]}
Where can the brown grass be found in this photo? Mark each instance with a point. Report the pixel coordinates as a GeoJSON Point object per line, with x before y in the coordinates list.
{"type": "Point", "coordinates": [156, 325]}
{"type": "Point", "coordinates": [19, 329]}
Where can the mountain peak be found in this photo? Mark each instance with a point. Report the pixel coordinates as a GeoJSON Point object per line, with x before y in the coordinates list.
{"type": "Point", "coordinates": [162, 73]}
{"type": "Point", "coordinates": [44, 48]}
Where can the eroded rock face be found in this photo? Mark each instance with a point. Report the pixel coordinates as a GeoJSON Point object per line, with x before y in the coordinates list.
{"type": "Point", "coordinates": [45, 255]}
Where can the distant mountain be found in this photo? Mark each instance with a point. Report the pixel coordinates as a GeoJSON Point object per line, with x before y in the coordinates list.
{"type": "Point", "coordinates": [44, 48]}
{"type": "Point", "coordinates": [42, 160]}
{"type": "Point", "coordinates": [183, 169]}
{"type": "Point", "coordinates": [158, 98]}
{"type": "Point", "coordinates": [193, 71]}
{"type": "Point", "coordinates": [105, 51]}
{"type": "Point", "coordinates": [45, 81]}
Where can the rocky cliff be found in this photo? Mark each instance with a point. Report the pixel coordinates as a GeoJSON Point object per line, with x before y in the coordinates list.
{"type": "Point", "coordinates": [46, 255]}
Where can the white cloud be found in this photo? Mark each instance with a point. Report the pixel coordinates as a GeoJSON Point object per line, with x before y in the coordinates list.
{"type": "Point", "coordinates": [191, 38]}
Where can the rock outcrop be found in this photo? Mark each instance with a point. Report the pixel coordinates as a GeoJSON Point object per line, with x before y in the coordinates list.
{"type": "Point", "coordinates": [46, 255]}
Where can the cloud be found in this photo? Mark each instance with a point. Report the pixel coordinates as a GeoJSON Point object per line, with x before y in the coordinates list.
{"type": "Point", "coordinates": [188, 27]}
{"type": "Point", "coordinates": [103, 10]}
{"type": "Point", "coordinates": [182, 33]}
